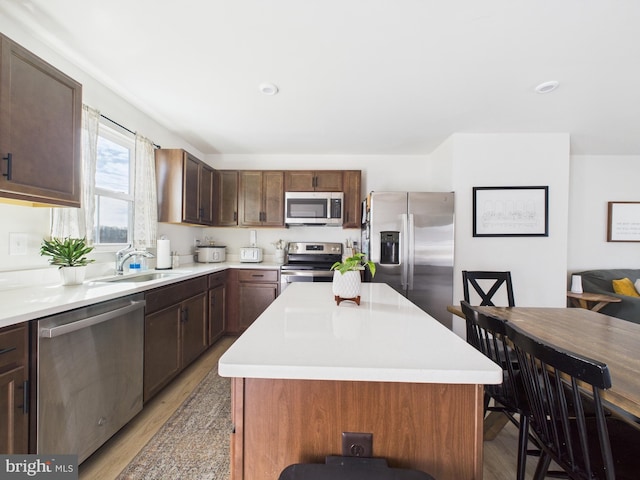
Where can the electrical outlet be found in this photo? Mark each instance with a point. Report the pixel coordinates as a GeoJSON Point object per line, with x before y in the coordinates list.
{"type": "Point", "coordinates": [356, 444]}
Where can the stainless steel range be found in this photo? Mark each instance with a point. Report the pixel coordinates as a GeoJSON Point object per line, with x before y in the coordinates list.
{"type": "Point", "coordinates": [309, 262]}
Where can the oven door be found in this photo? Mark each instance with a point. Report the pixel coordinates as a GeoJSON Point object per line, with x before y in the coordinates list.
{"type": "Point", "coordinates": [290, 276]}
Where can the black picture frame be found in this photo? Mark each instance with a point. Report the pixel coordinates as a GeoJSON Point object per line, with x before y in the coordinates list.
{"type": "Point", "coordinates": [511, 211]}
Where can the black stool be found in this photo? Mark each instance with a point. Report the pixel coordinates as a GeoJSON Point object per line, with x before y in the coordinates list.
{"type": "Point", "coordinates": [350, 468]}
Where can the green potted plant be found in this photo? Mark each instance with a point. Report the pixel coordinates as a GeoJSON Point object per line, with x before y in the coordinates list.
{"type": "Point", "coordinates": [346, 277]}
{"type": "Point", "coordinates": [70, 255]}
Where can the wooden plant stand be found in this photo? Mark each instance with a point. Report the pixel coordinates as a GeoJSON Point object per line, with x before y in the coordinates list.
{"type": "Point", "coordinates": [340, 299]}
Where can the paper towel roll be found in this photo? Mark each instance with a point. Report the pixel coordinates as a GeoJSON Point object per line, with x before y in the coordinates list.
{"type": "Point", "coordinates": [163, 254]}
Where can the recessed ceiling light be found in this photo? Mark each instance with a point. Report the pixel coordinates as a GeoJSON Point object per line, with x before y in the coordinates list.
{"type": "Point", "coordinates": [268, 88]}
{"type": "Point", "coordinates": [547, 87]}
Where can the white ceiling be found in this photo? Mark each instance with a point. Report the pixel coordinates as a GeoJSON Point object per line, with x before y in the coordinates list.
{"type": "Point", "coordinates": [358, 76]}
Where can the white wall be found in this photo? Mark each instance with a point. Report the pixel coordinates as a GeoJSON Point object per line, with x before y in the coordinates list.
{"type": "Point", "coordinates": [538, 264]}
{"type": "Point", "coordinates": [596, 180]}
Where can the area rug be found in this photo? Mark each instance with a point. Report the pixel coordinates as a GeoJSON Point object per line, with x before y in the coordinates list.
{"type": "Point", "coordinates": [194, 443]}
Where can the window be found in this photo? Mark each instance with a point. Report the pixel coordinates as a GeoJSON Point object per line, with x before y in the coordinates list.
{"type": "Point", "coordinates": [114, 187]}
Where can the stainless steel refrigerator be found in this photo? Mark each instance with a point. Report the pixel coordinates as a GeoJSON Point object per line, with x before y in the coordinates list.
{"type": "Point", "coordinates": [409, 236]}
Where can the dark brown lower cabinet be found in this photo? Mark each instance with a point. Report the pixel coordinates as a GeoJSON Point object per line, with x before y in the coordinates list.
{"type": "Point", "coordinates": [249, 293]}
{"type": "Point", "coordinates": [254, 299]}
{"type": "Point", "coordinates": [175, 331]}
{"type": "Point", "coordinates": [217, 305]}
{"type": "Point", "coordinates": [14, 380]}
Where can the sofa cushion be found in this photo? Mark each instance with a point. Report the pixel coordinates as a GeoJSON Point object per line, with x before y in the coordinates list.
{"type": "Point", "coordinates": [601, 281]}
{"type": "Point", "coordinates": [624, 286]}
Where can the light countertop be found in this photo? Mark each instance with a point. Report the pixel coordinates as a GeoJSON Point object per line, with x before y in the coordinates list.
{"type": "Point", "coordinates": [303, 334]}
{"type": "Point", "coordinates": [26, 299]}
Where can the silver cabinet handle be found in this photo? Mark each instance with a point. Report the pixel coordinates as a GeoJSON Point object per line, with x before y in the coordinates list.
{"type": "Point", "coordinates": [53, 332]}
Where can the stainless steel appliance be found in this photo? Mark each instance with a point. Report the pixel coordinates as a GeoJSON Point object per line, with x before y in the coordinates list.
{"type": "Point", "coordinates": [409, 236]}
{"type": "Point", "coordinates": [313, 208]}
{"type": "Point", "coordinates": [89, 375]}
{"type": "Point", "coordinates": [309, 262]}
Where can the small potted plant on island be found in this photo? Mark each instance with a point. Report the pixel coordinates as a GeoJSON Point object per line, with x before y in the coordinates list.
{"type": "Point", "coordinates": [347, 277]}
{"type": "Point", "coordinates": [70, 255]}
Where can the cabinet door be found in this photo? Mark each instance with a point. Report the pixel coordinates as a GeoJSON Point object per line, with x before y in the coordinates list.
{"type": "Point", "coordinates": [40, 108]}
{"type": "Point", "coordinates": [254, 299]}
{"type": "Point", "coordinates": [328, 181]}
{"type": "Point", "coordinates": [190, 189]}
{"type": "Point", "coordinates": [14, 419]}
{"type": "Point", "coordinates": [227, 196]}
{"type": "Point", "coordinates": [216, 313]}
{"type": "Point", "coordinates": [307, 181]}
{"type": "Point", "coordinates": [352, 199]}
{"type": "Point", "coordinates": [273, 204]}
{"type": "Point", "coordinates": [298, 181]}
{"type": "Point", "coordinates": [161, 349]}
{"type": "Point", "coordinates": [194, 328]}
{"type": "Point", "coordinates": [250, 198]}
{"type": "Point", "coordinates": [205, 202]}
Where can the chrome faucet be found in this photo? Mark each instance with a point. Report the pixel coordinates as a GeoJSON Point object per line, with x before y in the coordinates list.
{"type": "Point", "coordinates": [125, 254]}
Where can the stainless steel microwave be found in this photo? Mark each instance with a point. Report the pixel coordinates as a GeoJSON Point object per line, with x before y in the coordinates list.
{"type": "Point", "coordinates": [313, 208]}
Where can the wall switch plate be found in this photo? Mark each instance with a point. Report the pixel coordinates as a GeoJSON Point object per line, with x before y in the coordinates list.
{"type": "Point", "coordinates": [17, 243]}
{"type": "Point", "coordinates": [356, 444]}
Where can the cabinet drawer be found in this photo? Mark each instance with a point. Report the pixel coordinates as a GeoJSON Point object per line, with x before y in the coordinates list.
{"type": "Point", "coordinates": [216, 279]}
{"type": "Point", "coordinates": [170, 295]}
{"type": "Point", "coordinates": [258, 275]}
{"type": "Point", "coordinates": [13, 346]}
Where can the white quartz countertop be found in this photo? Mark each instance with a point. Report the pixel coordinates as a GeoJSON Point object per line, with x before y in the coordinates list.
{"type": "Point", "coordinates": [25, 299]}
{"type": "Point", "coordinates": [303, 334]}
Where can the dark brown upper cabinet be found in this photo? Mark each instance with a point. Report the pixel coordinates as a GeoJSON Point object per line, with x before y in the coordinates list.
{"type": "Point", "coordinates": [185, 188]}
{"type": "Point", "coordinates": [40, 129]}
{"type": "Point", "coordinates": [313, 181]}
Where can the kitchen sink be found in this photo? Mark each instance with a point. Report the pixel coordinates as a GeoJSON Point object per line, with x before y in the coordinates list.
{"type": "Point", "coordinates": [145, 277]}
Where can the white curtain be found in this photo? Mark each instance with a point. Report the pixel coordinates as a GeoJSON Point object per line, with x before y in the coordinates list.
{"type": "Point", "coordinates": [145, 213]}
{"type": "Point", "coordinates": [79, 222]}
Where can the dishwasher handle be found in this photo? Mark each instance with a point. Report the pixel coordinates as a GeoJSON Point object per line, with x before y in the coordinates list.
{"type": "Point", "coordinates": [59, 330]}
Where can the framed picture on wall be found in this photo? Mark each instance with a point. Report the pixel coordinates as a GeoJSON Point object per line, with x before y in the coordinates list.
{"type": "Point", "coordinates": [623, 222]}
{"type": "Point", "coordinates": [511, 211]}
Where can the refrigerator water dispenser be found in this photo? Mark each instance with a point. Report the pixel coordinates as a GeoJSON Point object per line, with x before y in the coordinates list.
{"type": "Point", "coordinates": [389, 248]}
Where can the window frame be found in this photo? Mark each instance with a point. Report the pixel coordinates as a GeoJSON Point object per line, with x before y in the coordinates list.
{"type": "Point", "coordinates": [126, 140]}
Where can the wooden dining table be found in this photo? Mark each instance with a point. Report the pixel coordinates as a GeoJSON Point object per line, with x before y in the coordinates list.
{"type": "Point", "coordinates": [611, 340]}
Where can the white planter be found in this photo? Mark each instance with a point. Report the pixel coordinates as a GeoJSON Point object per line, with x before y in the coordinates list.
{"type": "Point", "coordinates": [346, 285]}
{"type": "Point", "coordinates": [72, 275]}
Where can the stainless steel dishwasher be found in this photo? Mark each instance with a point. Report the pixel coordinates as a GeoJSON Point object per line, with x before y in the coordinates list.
{"type": "Point", "coordinates": [90, 372]}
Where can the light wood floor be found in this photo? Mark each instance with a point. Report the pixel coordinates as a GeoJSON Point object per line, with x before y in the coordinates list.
{"type": "Point", "coordinates": [115, 455]}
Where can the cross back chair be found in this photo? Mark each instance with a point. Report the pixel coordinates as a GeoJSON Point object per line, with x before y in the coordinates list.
{"type": "Point", "coordinates": [488, 335]}
{"type": "Point", "coordinates": [564, 394]}
{"type": "Point", "coordinates": [500, 279]}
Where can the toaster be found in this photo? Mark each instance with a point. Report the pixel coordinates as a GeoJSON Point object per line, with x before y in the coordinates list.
{"type": "Point", "coordinates": [250, 254]}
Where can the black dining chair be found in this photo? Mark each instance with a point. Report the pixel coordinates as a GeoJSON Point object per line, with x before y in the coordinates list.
{"type": "Point", "coordinates": [564, 394]}
{"type": "Point", "coordinates": [486, 285]}
{"type": "Point", "coordinates": [488, 335]}
{"type": "Point", "coordinates": [350, 468]}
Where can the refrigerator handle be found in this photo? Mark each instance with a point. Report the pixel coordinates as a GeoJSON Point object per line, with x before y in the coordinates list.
{"type": "Point", "coordinates": [404, 251]}
{"type": "Point", "coordinates": [411, 251]}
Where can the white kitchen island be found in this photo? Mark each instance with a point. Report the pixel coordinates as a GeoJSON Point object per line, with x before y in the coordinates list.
{"type": "Point", "coordinates": [308, 370]}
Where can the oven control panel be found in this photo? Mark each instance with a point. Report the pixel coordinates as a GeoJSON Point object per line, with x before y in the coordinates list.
{"type": "Point", "coordinates": [313, 248]}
